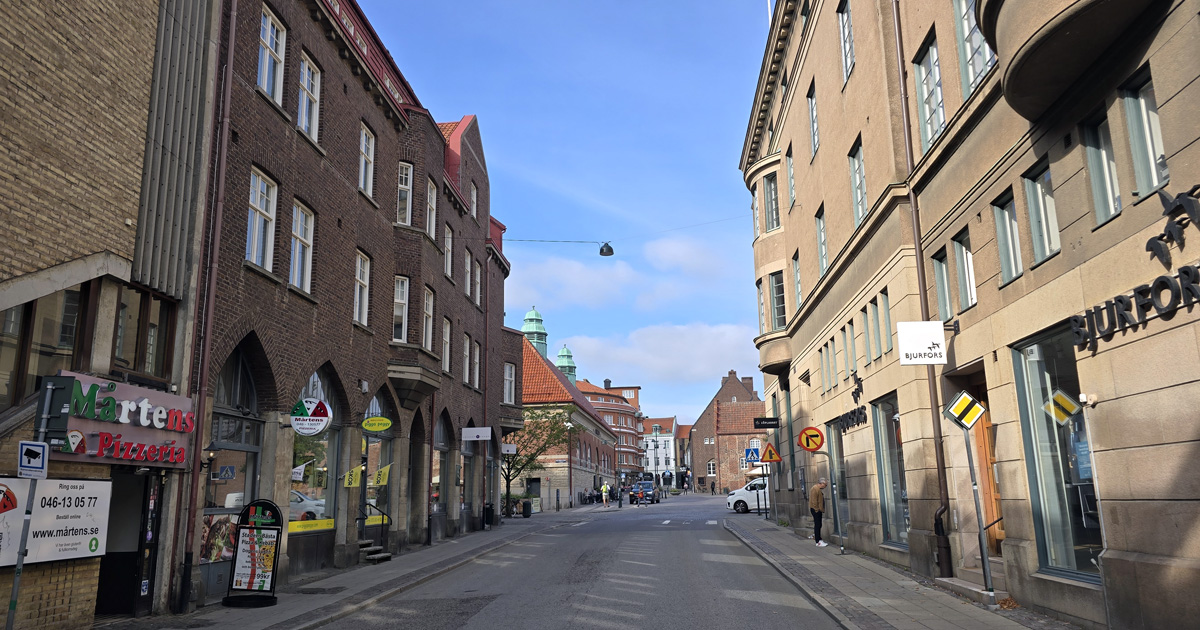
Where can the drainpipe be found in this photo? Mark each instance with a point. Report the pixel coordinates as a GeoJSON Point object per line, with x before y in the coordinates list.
{"type": "Point", "coordinates": [214, 249]}
{"type": "Point", "coordinates": [487, 266]}
{"type": "Point", "coordinates": [945, 568]}
{"type": "Point", "coordinates": [441, 474]}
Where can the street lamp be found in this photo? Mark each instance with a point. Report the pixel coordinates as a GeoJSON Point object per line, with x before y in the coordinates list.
{"type": "Point", "coordinates": [570, 485]}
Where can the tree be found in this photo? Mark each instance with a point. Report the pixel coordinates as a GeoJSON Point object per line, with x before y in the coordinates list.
{"type": "Point", "coordinates": [545, 428]}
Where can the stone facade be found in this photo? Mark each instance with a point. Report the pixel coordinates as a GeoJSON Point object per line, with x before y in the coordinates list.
{"type": "Point", "coordinates": [1041, 174]}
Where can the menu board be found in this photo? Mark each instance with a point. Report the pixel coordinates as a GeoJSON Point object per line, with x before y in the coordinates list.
{"type": "Point", "coordinates": [254, 560]}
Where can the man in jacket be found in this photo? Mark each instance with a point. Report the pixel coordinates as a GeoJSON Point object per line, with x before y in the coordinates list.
{"type": "Point", "coordinates": [816, 505]}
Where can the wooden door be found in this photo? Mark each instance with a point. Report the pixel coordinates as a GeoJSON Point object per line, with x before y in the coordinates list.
{"type": "Point", "coordinates": [989, 486]}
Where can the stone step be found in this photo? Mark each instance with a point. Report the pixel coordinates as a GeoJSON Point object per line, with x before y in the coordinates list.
{"type": "Point", "coordinates": [376, 558]}
{"type": "Point", "coordinates": [975, 575]}
{"type": "Point", "coordinates": [365, 543]}
{"type": "Point", "coordinates": [972, 591]}
{"type": "Point", "coordinates": [369, 550]}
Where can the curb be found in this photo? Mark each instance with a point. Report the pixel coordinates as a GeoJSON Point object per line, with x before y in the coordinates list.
{"type": "Point", "coordinates": [350, 609]}
{"type": "Point", "coordinates": [821, 602]}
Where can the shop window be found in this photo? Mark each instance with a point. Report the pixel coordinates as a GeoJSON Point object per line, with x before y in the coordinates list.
{"type": "Point", "coordinates": [1058, 455]}
{"type": "Point", "coordinates": [143, 333]}
{"type": "Point", "coordinates": [315, 463]}
{"type": "Point", "coordinates": [377, 460]}
{"type": "Point", "coordinates": [440, 483]}
{"type": "Point", "coordinates": [37, 339]}
{"type": "Point", "coordinates": [837, 476]}
{"type": "Point", "coordinates": [889, 451]}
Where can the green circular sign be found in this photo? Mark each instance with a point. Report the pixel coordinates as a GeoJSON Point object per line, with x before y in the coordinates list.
{"type": "Point", "coordinates": [93, 544]}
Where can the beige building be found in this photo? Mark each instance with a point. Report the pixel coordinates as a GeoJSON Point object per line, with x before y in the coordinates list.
{"type": "Point", "coordinates": [1049, 153]}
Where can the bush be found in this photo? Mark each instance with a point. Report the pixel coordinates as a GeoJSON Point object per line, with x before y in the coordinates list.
{"type": "Point", "coordinates": [675, 491]}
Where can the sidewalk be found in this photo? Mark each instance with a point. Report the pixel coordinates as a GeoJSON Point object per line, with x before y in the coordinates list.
{"type": "Point", "coordinates": [862, 593]}
{"type": "Point", "coordinates": [315, 603]}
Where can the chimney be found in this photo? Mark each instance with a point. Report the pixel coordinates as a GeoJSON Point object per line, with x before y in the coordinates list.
{"type": "Point", "coordinates": [748, 381]}
{"type": "Point", "coordinates": [608, 383]}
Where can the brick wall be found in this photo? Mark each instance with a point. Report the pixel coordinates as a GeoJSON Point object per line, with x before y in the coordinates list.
{"type": "Point", "coordinates": [71, 163]}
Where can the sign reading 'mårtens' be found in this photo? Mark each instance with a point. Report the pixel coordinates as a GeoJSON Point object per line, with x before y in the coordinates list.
{"type": "Point", "coordinates": [310, 416]}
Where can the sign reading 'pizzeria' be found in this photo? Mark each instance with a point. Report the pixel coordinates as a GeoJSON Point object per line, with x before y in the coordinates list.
{"type": "Point", "coordinates": [111, 420]}
{"type": "Point", "coordinates": [310, 416]}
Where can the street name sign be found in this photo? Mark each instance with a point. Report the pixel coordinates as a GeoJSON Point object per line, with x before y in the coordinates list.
{"type": "Point", "coordinates": [964, 410]}
{"type": "Point", "coordinates": [811, 439]}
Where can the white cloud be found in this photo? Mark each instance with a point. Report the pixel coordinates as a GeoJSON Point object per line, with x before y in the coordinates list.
{"type": "Point", "coordinates": [685, 254]}
{"type": "Point", "coordinates": [668, 353]}
{"type": "Point", "coordinates": [565, 282]}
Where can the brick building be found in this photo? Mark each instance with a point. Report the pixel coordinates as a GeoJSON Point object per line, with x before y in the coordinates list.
{"type": "Point", "coordinates": [588, 460]}
{"type": "Point", "coordinates": [620, 410]}
{"type": "Point", "coordinates": [1018, 172]}
{"type": "Point", "coordinates": [97, 284]}
{"type": "Point", "coordinates": [366, 272]}
{"type": "Point", "coordinates": [722, 432]}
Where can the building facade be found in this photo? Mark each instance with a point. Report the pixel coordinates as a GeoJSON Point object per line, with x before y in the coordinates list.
{"type": "Point", "coordinates": [658, 445]}
{"type": "Point", "coordinates": [1022, 176]}
{"type": "Point", "coordinates": [101, 190]}
{"type": "Point", "coordinates": [721, 434]}
{"type": "Point", "coordinates": [365, 274]}
{"type": "Point", "coordinates": [622, 416]}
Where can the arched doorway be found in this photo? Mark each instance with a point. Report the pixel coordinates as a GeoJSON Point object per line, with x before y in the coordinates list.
{"type": "Point", "coordinates": [374, 501]}
{"type": "Point", "coordinates": [316, 481]}
{"type": "Point", "coordinates": [417, 479]}
{"type": "Point", "coordinates": [441, 477]}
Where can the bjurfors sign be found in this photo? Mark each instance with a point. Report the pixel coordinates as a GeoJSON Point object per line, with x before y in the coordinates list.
{"type": "Point", "coordinates": [921, 343]}
{"type": "Point", "coordinates": [110, 420]}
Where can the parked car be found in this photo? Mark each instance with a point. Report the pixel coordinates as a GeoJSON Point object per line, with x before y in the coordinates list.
{"type": "Point", "coordinates": [305, 508]}
{"type": "Point", "coordinates": [647, 487]}
{"type": "Point", "coordinates": [749, 496]}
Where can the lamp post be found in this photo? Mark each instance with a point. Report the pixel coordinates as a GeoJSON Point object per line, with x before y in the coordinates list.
{"type": "Point", "coordinates": [570, 486]}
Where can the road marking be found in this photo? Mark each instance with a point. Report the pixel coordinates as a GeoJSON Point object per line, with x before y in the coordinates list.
{"type": "Point", "coordinates": [666, 522]}
{"type": "Point", "coordinates": [580, 523]}
{"type": "Point", "coordinates": [730, 558]}
{"type": "Point", "coordinates": [710, 522]}
{"type": "Point", "coordinates": [720, 543]}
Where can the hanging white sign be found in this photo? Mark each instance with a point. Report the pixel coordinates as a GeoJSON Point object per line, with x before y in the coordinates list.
{"type": "Point", "coordinates": [310, 416]}
{"type": "Point", "coordinates": [69, 519]}
{"type": "Point", "coordinates": [474, 434]}
{"type": "Point", "coordinates": [921, 343]}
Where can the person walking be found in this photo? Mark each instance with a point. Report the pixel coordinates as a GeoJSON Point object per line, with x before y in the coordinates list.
{"type": "Point", "coordinates": [714, 488]}
{"type": "Point", "coordinates": [604, 492]}
{"type": "Point", "coordinates": [816, 505]}
{"type": "Point", "coordinates": [641, 495]}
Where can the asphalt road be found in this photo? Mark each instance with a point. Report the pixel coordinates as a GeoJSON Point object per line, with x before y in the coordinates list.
{"type": "Point", "coordinates": [664, 566]}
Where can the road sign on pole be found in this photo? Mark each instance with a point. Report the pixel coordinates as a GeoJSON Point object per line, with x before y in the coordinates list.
{"type": "Point", "coordinates": [751, 455]}
{"type": "Point", "coordinates": [770, 455]}
{"type": "Point", "coordinates": [811, 439]}
{"type": "Point", "coordinates": [964, 410]}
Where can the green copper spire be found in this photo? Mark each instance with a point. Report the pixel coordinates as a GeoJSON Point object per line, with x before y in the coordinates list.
{"type": "Point", "coordinates": [566, 364]}
{"type": "Point", "coordinates": [534, 331]}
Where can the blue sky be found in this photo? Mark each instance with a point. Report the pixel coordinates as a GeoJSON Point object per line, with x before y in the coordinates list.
{"type": "Point", "coordinates": [610, 121]}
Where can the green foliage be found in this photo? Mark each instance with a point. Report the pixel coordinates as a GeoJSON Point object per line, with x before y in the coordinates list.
{"type": "Point", "coordinates": [545, 428]}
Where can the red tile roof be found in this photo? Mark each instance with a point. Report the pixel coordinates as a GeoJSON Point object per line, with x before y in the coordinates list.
{"type": "Point", "coordinates": [667, 424]}
{"type": "Point", "coordinates": [447, 129]}
{"type": "Point", "coordinates": [542, 383]}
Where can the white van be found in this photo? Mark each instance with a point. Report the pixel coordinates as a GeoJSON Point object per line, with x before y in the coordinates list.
{"type": "Point", "coordinates": [749, 496]}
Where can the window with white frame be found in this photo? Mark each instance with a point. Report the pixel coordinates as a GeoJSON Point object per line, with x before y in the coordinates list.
{"type": "Point", "coordinates": [404, 194]}
{"type": "Point", "coordinates": [742, 464]}
{"type": "Point", "coordinates": [858, 183]}
{"type": "Point", "coordinates": [466, 359]}
{"type": "Point", "coordinates": [1145, 137]}
{"type": "Point", "coordinates": [474, 200]}
{"type": "Point", "coordinates": [791, 178]}
{"type": "Point", "coordinates": [427, 321]}
{"type": "Point", "coordinates": [977, 56]}
{"type": "Point", "coordinates": [941, 281]}
{"type": "Point", "coordinates": [1043, 220]}
{"type": "Point", "coordinates": [886, 307]}
{"type": "Point", "coordinates": [965, 266]}
{"type": "Point", "coordinates": [851, 347]}
{"type": "Point", "coordinates": [847, 36]}
{"type": "Point", "coordinates": [271, 39]}
{"type": "Point", "coordinates": [878, 348]}
{"type": "Point", "coordinates": [300, 274]}
{"type": "Point", "coordinates": [260, 227]}
{"type": "Point", "coordinates": [778, 309]}
{"type": "Point", "coordinates": [475, 365]}
{"type": "Point", "coordinates": [478, 282]}
{"type": "Point", "coordinates": [431, 192]}
{"type": "Point", "coordinates": [366, 161]}
{"type": "Point", "coordinates": [1008, 239]}
{"type": "Point", "coordinates": [755, 443]}
{"type": "Point", "coordinates": [1102, 167]}
{"type": "Point", "coordinates": [309, 108]}
{"type": "Point", "coordinates": [796, 278]}
{"type": "Point", "coordinates": [712, 468]}
{"type": "Point", "coordinates": [822, 252]}
{"type": "Point", "coordinates": [510, 383]}
{"type": "Point", "coordinates": [814, 133]}
{"type": "Point", "coordinates": [448, 252]}
{"type": "Point", "coordinates": [446, 344]}
{"type": "Point", "coordinates": [467, 268]}
{"type": "Point", "coordinates": [754, 209]}
{"type": "Point", "coordinates": [400, 310]}
{"type": "Point", "coordinates": [362, 287]}
{"type": "Point", "coordinates": [930, 108]}
{"type": "Point", "coordinates": [771, 201]}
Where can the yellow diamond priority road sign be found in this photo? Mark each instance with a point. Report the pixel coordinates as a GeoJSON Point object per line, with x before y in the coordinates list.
{"type": "Point", "coordinates": [1061, 407]}
{"type": "Point", "coordinates": [964, 410]}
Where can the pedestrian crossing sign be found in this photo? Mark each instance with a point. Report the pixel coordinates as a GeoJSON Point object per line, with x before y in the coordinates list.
{"type": "Point", "coordinates": [770, 455]}
{"type": "Point", "coordinates": [751, 455]}
{"type": "Point", "coordinates": [964, 410]}
{"type": "Point", "coordinates": [1061, 407]}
